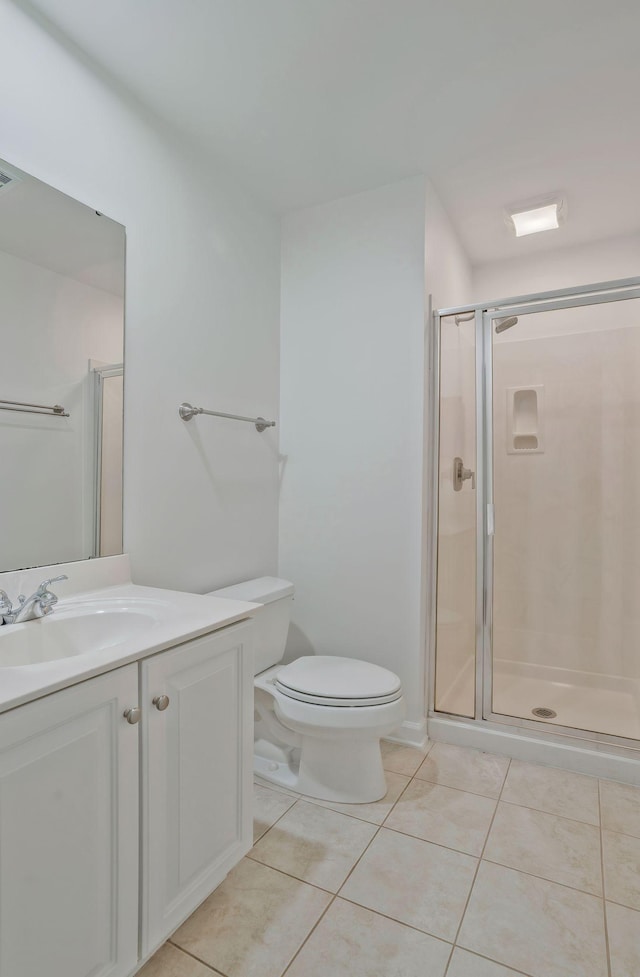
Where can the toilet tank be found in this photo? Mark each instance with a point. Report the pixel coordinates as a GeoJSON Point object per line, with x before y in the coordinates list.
{"type": "Point", "coordinates": [271, 621]}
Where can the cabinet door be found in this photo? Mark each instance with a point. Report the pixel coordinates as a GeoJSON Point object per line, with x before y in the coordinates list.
{"type": "Point", "coordinates": [69, 832]}
{"type": "Point", "coordinates": [197, 774]}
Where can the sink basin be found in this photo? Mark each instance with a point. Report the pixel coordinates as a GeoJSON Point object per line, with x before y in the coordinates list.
{"type": "Point", "coordinates": [92, 626]}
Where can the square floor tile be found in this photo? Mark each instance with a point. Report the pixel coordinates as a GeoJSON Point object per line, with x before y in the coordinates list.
{"type": "Point", "coordinates": [402, 759]}
{"type": "Point", "coordinates": [624, 940]}
{"type": "Point", "coordinates": [444, 815]}
{"type": "Point", "coordinates": [315, 845]}
{"type": "Point", "coordinates": [538, 927]}
{"type": "Point", "coordinates": [169, 961]}
{"type": "Point", "coordinates": [621, 856]}
{"type": "Point", "coordinates": [376, 811]}
{"type": "Point", "coordinates": [543, 844]}
{"type": "Point", "coordinates": [268, 807]}
{"type": "Point", "coordinates": [414, 882]}
{"type": "Point", "coordinates": [569, 795]}
{"type": "Point", "coordinates": [620, 807]}
{"type": "Point", "coordinates": [351, 941]}
{"type": "Point", "coordinates": [455, 766]}
{"type": "Point", "coordinates": [253, 924]}
{"type": "Point", "coordinates": [465, 964]}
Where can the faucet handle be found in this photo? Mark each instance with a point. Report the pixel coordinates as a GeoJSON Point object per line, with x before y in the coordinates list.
{"type": "Point", "coordinates": [45, 583]}
{"type": "Point", "coordinates": [5, 603]}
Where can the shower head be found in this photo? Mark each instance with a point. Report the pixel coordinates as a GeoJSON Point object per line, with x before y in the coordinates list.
{"type": "Point", "coordinates": [506, 323]}
{"type": "Point", "coordinates": [464, 318]}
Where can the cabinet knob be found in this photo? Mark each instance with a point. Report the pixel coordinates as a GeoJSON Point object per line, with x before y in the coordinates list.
{"type": "Point", "coordinates": [132, 715]}
{"type": "Point", "coordinates": [161, 702]}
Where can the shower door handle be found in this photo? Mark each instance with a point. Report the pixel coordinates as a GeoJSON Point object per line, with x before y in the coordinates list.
{"type": "Point", "coordinates": [491, 519]}
{"type": "Point", "coordinates": [461, 474]}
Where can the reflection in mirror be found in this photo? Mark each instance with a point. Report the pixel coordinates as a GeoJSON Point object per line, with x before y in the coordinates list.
{"type": "Point", "coordinates": [61, 376]}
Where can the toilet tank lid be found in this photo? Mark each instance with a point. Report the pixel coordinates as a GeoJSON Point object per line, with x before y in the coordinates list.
{"type": "Point", "coordinates": [261, 590]}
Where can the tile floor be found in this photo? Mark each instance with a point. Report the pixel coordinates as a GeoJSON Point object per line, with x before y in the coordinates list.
{"type": "Point", "coordinates": [472, 866]}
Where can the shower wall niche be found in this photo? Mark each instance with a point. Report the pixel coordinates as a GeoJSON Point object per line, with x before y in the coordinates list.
{"type": "Point", "coordinates": [525, 416]}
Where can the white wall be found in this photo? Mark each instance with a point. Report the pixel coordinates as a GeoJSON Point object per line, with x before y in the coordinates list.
{"type": "Point", "coordinates": [352, 401]}
{"type": "Point", "coordinates": [201, 306]}
{"type": "Point", "coordinates": [51, 327]}
{"type": "Point", "coordinates": [558, 268]}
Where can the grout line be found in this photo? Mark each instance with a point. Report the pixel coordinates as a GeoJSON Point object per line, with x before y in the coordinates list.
{"type": "Point", "coordinates": [623, 905]}
{"type": "Point", "coordinates": [334, 895]}
{"type": "Point", "coordinates": [446, 969]}
{"type": "Point", "coordinates": [394, 919]}
{"type": "Point", "coordinates": [325, 805]}
{"type": "Point", "coordinates": [267, 830]}
{"type": "Point", "coordinates": [404, 773]}
{"type": "Point", "coordinates": [475, 875]}
{"type": "Point", "coordinates": [314, 885]}
{"type": "Point", "coordinates": [378, 828]}
{"type": "Point", "coordinates": [604, 895]}
{"type": "Point", "coordinates": [520, 973]}
{"type": "Point", "coordinates": [436, 844]}
{"type": "Point", "coordinates": [309, 934]}
{"type": "Point", "coordinates": [625, 834]}
{"type": "Point", "coordinates": [218, 973]}
{"type": "Point", "coordinates": [551, 814]}
{"type": "Point", "coordinates": [464, 790]}
{"type": "Point", "coordinates": [276, 788]}
{"type": "Point", "coordinates": [543, 878]}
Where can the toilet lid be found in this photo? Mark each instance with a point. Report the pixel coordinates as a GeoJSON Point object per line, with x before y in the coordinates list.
{"type": "Point", "coordinates": [329, 680]}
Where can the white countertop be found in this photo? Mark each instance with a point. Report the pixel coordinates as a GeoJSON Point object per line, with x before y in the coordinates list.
{"type": "Point", "coordinates": [180, 617]}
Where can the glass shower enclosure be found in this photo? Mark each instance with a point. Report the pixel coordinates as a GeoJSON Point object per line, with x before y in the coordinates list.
{"type": "Point", "coordinates": [536, 562]}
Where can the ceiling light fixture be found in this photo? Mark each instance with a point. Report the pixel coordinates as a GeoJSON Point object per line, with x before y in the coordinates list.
{"type": "Point", "coordinates": [544, 214]}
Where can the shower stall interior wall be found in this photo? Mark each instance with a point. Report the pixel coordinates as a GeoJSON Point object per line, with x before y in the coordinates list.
{"type": "Point", "coordinates": [537, 569]}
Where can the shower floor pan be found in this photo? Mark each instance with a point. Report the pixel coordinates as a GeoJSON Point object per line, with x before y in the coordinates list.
{"type": "Point", "coordinates": [581, 700]}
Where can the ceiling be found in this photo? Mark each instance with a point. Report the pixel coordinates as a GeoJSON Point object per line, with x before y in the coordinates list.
{"type": "Point", "coordinates": [50, 229]}
{"type": "Point", "coordinates": [308, 100]}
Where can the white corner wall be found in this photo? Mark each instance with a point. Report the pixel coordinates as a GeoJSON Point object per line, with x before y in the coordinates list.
{"type": "Point", "coordinates": [352, 404]}
{"type": "Point", "coordinates": [202, 310]}
{"type": "Point", "coordinates": [447, 268]}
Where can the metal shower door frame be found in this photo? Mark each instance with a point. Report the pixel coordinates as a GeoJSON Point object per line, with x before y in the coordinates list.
{"type": "Point", "coordinates": [485, 314]}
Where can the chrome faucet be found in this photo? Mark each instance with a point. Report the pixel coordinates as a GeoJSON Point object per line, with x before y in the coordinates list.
{"type": "Point", "coordinates": [39, 604]}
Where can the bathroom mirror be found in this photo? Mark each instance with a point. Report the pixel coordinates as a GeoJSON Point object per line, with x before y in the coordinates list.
{"type": "Point", "coordinates": [61, 376]}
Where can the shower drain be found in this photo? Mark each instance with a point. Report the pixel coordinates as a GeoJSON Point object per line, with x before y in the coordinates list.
{"type": "Point", "coordinates": [543, 713]}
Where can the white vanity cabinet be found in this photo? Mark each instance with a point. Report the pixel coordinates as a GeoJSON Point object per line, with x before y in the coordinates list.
{"type": "Point", "coordinates": [69, 787]}
{"type": "Point", "coordinates": [120, 810]}
{"type": "Point", "coordinates": [197, 736]}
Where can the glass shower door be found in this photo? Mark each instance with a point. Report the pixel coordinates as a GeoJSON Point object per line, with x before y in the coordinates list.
{"type": "Point", "coordinates": [455, 672]}
{"type": "Point", "coordinates": [563, 568]}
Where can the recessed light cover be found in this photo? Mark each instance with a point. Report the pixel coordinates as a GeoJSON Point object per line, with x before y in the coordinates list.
{"type": "Point", "coordinates": [545, 214]}
{"type": "Point", "coordinates": [8, 179]}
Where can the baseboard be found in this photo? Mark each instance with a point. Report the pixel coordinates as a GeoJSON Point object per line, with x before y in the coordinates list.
{"type": "Point", "coordinates": [410, 734]}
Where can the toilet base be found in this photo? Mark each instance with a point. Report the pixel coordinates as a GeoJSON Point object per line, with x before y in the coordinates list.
{"type": "Point", "coordinates": [347, 772]}
{"type": "Point", "coordinates": [276, 764]}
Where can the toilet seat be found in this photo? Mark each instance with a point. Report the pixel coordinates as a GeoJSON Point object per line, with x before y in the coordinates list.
{"type": "Point", "coordinates": [328, 680]}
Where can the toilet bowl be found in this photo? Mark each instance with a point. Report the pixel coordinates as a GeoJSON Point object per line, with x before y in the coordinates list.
{"type": "Point", "coordinates": [319, 719]}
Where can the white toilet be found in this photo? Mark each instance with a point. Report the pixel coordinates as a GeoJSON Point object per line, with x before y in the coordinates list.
{"type": "Point", "coordinates": [318, 720]}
